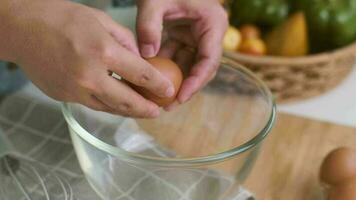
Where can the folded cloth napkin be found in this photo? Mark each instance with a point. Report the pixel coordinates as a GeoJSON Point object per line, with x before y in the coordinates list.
{"type": "Point", "coordinates": [39, 134]}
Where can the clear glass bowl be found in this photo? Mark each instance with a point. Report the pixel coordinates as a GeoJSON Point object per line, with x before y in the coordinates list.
{"type": "Point", "coordinates": [202, 150]}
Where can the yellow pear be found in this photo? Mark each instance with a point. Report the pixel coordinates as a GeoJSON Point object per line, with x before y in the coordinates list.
{"type": "Point", "coordinates": [232, 39]}
{"type": "Point", "coordinates": [290, 38]}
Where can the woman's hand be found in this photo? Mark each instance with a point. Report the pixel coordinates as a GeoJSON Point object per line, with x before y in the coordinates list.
{"type": "Point", "coordinates": [192, 36]}
{"type": "Point", "coordinates": [68, 51]}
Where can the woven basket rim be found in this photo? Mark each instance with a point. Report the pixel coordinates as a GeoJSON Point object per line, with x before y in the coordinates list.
{"type": "Point", "coordinates": [309, 59]}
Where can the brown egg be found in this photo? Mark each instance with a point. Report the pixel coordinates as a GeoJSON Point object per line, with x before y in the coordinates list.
{"type": "Point", "coordinates": [170, 70]}
{"type": "Point", "coordinates": [345, 191]}
{"type": "Point", "coordinates": [339, 166]}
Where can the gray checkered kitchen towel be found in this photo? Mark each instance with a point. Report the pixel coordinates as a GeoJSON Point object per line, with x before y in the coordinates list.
{"type": "Point", "coordinates": [40, 136]}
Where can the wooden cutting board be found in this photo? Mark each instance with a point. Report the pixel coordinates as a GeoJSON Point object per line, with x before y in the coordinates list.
{"type": "Point", "coordinates": [288, 165]}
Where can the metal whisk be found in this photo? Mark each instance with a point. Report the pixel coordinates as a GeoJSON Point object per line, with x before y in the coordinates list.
{"type": "Point", "coordinates": [24, 179]}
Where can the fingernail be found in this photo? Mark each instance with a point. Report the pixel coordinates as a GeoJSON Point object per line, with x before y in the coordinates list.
{"type": "Point", "coordinates": [170, 91]}
{"type": "Point", "coordinates": [172, 106]}
{"type": "Point", "coordinates": [155, 113]}
{"type": "Point", "coordinates": [184, 99]}
{"type": "Point", "coordinates": [147, 51]}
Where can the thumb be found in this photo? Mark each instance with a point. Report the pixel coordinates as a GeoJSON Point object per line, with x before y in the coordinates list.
{"type": "Point", "coordinates": [121, 34]}
{"type": "Point", "coordinates": [149, 28]}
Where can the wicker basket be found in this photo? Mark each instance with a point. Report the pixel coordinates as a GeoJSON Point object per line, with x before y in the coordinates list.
{"type": "Point", "coordinates": [292, 79]}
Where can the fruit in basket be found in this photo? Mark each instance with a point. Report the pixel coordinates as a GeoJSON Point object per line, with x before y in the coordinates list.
{"type": "Point", "coordinates": [232, 39]}
{"type": "Point", "coordinates": [249, 31]}
{"type": "Point", "coordinates": [253, 46]}
{"type": "Point", "coordinates": [332, 23]}
{"type": "Point", "coordinates": [290, 38]}
{"type": "Point", "coordinates": [260, 12]}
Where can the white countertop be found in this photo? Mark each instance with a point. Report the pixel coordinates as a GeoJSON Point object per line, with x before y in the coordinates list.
{"type": "Point", "coordinates": [337, 106]}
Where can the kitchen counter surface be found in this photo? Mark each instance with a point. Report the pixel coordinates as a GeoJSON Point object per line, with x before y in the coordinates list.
{"type": "Point", "coordinates": [288, 165]}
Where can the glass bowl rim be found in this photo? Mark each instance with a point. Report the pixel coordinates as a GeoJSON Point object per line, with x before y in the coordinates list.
{"type": "Point", "coordinates": [179, 162]}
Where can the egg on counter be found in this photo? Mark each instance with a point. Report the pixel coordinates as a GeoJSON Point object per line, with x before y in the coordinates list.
{"type": "Point", "coordinates": [339, 166]}
{"type": "Point", "coordinates": [170, 70]}
{"type": "Point", "coordinates": [345, 191]}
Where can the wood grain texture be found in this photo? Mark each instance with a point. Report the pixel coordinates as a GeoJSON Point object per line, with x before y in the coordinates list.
{"type": "Point", "coordinates": [288, 165]}
{"type": "Point", "coordinates": [208, 124]}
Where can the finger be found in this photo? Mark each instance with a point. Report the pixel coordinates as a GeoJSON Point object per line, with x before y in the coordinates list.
{"type": "Point", "coordinates": [137, 71]}
{"type": "Point", "coordinates": [172, 106]}
{"type": "Point", "coordinates": [149, 26]}
{"type": "Point", "coordinates": [209, 52]}
{"type": "Point", "coordinates": [169, 49]}
{"type": "Point", "coordinates": [121, 34]}
{"type": "Point", "coordinates": [191, 85]}
{"type": "Point", "coordinates": [197, 79]}
{"type": "Point", "coordinates": [185, 58]}
{"type": "Point", "coordinates": [95, 104]}
{"type": "Point", "coordinates": [124, 100]}
{"type": "Point", "coordinates": [212, 76]}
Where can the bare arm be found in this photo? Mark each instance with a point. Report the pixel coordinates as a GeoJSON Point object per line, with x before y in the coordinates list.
{"type": "Point", "coordinates": [67, 50]}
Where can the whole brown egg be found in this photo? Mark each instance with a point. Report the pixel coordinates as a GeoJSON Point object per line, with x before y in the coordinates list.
{"type": "Point", "coordinates": [339, 166]}
{"type": "Point", "coordinates": [170, 70]}
{"type": "Point", "coordinates": [344, 191]}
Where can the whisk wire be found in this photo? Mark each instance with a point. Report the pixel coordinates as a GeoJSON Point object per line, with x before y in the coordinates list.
{"type": "Point", "coordinates": [16, 179]}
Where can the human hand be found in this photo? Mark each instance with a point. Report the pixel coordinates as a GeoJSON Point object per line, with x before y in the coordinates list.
{"type": "Point", "coordinates": [193, 34]}
{"type": "Point", "coordinates": [68, 50]}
